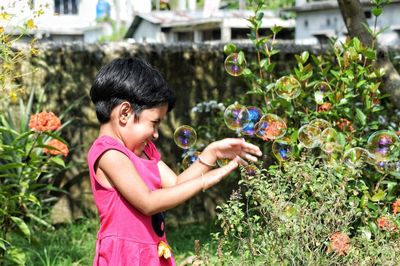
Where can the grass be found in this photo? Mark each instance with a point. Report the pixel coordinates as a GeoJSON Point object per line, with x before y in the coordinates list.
{"type": "Point", "coordinates": [74, 244]}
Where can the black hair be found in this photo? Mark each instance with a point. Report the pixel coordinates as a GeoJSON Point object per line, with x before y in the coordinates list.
{"type": "Point", "coordinates": [132, 80]}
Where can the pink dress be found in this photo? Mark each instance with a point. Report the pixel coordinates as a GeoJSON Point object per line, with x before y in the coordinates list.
{"type": "Point", "coordinates": [126, 236]}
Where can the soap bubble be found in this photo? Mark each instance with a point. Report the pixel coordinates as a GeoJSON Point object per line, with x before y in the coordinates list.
{"type": "Point", "coordinates": [320, 123]}
{"type": "Point", "coordinates": [282, 149]}
{"type": "Point", "coordinates": [255, 114]}
{"type": "Point", "coordinates": [328, 139]}
{"type": "Point", "coordinates": [223, 162]}
{"type": "Point", "coordinates": [321, 89]}
{"type": "Point", "coordinates": [356, 157]}
{"type": "Point", "coordinates": [384, 145]}
{"type": "Point", "coordinates": [236, 116]}
{"type": "Point", "coordinates": [185, 136]}
{"type": "Point", "coordinates": [309, 136]}
{"type": "Point", "coordinates": [189, 159]}
{"type": "Point", "coordinates": [288, 87]}
{"type": "Point", "coordinates": [270, 126]}
{"type": "Point", "coordinates": [234, 65]}
{"type": "Point", "coordinates": [394, 168]}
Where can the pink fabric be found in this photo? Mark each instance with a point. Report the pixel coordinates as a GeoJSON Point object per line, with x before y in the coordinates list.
{"type": "Point", "coordinates": [126, 236]}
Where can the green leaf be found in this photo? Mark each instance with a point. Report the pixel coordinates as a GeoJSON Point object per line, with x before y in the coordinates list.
{"type": "Point", "coordinates": [40, 221]}
{"type": "Point", "coordinates": [16, 255]}
{"type": "Point", "coordinates": [229, 48]}
{"type": "Point", "coordinates": [58, 161]}
{"type": "Point", "coordinates": [304, 57]}
{"type": "Point", "coordinates": [241, 58]}
{"type": "Point", "coordinates": [361, 117]}
{"type": "Point", "coordinates": [377, 11]}
{"type": "Point", "coordinates": [379, 196]}
{"type": "Point", "coordinates": [22, 226]}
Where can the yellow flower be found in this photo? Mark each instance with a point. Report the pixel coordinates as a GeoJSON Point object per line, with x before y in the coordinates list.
{"type": "Point", "coordinates": [30, 24]}
{"type": "Point", "coordinates": [13, 96]}
{"type": "Point", "coordinates": [164, 250]}
{"type": "Point", "coordinates": [1, 29]}
{"type": "Point", "coordinates": [5, 16]}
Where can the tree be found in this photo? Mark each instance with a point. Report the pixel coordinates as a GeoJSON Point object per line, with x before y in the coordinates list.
{"type": "Point", "coordinates": [354, 19]}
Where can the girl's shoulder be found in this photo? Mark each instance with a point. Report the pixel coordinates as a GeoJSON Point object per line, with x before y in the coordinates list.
{"type": "Point", "coordinates": [103, 144]}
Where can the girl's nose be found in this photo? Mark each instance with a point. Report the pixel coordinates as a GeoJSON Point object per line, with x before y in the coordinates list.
{"type": "Point", "coordinates": [155, 135]}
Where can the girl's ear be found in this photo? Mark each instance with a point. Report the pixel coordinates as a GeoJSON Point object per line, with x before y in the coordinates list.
{"type": "Point", "coordinates": [125, 111]}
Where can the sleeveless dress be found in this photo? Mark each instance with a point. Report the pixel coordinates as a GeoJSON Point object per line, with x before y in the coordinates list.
{"type": "Point", "coordinates": [126, 236]}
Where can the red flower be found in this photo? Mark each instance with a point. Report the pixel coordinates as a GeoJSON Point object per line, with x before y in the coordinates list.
{"type": "Point", "coordinates": [344, 124]}
{"type": "Point", "coordinates": [386, 225]}
{"type": "Point", "coordinates": [59, 148]}
{"type": "Point", "coordinates": [44, 121]}
{"type": "Point", "coordinates": [325, 107]}
{"type": "Point", "coordinates": [340, 243]}
{"type": "Point", "coordinates": [396, 206]}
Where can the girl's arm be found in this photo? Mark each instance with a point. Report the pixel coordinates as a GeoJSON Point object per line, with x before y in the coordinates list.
{"type": "Point", "coordinates": [227, 148]}
{"type": "Point", "coordinates": [122, 174]}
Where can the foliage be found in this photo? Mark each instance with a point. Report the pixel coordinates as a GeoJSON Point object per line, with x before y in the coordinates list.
{"type": "Point", "coordinates": [30, 146]}
{"type": "Point", "coordinates": [311, 208]}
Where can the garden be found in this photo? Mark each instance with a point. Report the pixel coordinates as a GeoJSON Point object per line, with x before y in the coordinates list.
{"type": "Point", "coordinates": [325, 192]}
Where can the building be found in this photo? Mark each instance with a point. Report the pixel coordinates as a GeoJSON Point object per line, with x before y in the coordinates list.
{"type": "Point", "coordinates": [71, 20]}
{"type": "Point", "coordinates": [319, 20]}
{"type": "Point", "coordinates": [200, 26]}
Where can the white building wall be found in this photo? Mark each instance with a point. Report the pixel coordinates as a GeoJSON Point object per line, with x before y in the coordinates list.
{"type": "Point", "coordinates": [148, 32]}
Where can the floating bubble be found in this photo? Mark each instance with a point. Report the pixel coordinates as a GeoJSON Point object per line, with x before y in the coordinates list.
{"type": "Point", "coordinates": [321, 89]}
{"type": "Point", "coordinates": [236, 116]}
{"type": "Point", "coordinates": [356, 158]}
{"type": "Point", "coordinates": [255, 115]}
{"type": "Point", "coordinates": [309, 136]}
{"type": "Point", "coordinates": [235, 65]}
{"type": "Point", "coordinates": [282, 149]}
{"type": "Point", "coordinates": [384, 145]}
{"type": "Point", "coordinates": [189, 159]}
{"type": "Point", "coordinates": [329, 140]}
{"type": "Point", "coordinates": [288, 87]}
{"type": "Point", "coordinates": [223, 162]}
{"type": "Point", "coordinates": [394, 168]}
{"type": "Point", "coordinates": [185, 136]}
{"type": "Point", "coordinates": [250, 170]}
{"type": "Point", "coordinates": [320, 123]}
{"type": "Point", "coordinates": [270, 126]}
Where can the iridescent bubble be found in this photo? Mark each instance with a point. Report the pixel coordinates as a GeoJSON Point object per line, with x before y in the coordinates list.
{"type": "Point", "coordinates": [250, 170]}
{"type": "Point", "coordinates": [255, 115]}
{"type": "Point", "coordinates": [235, 65]}
{"type": "Point", "coordinates": [320, 123]}
{"type": "Point", "coordinates": [185, 136]}
{"type": "Point", "coordinates": [384, 145]}
{"type": "Point", "coordinates": [223, 162]}
{"type": "Point", "coordinates": [329, 140]}
{"type": "Point", "coordinates": [321, 89]}
{"type": "Point", "coordinates": [309, 136]}
{"type": "Point", "coordinates": [288, 87]}
{"type": "Point", "coordinates": [236, 116]}
{"type": "Point", "coordinates": [394, 168]}
{"type": "Point", "coordinates": [270, 126]}
{"type": "Point", "coordinates": [189, 159]}
{"type": "Point", "coordinates": [282, 149]}
{"type": "Point", "coordinates": [356, 158]}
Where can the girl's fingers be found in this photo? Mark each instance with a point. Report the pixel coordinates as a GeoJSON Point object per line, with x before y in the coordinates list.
{"type": "Point", "coordinates": [248, 157]}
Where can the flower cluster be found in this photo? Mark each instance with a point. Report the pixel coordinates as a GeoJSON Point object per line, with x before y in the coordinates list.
{"type": "Point", "coordinates": [59, 148]}
{"type": "Point", "coordinates": [340, 243]}
{"type": "Point", "coordinates": [325, 107]}
{"type": "Point", "coordinates": [396, 206]}
{"type": "Point", "coordinates": [344, 125]}
{"type": "Point", "coordinates": [44, 121]}
{"type": "Point", "coordinates": [386, 224]}
{"type": "Point", "coordinates": [206, 107]}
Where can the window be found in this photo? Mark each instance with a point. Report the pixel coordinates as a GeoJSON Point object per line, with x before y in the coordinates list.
{"type": "Point", "coordinates": [66, 7]}
{"type": "Point", "coordinates": [367, 14]}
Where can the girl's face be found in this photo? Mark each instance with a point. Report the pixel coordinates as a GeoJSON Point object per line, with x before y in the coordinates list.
{"type": "Point", "coordinates": [137, 132]}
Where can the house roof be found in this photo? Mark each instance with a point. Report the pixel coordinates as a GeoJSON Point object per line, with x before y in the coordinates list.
{"type": "Point", "coordinates": [231, 18]}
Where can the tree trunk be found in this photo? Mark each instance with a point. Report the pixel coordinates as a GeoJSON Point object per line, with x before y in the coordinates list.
{"type": "Point", "coordinates": [354, 18]}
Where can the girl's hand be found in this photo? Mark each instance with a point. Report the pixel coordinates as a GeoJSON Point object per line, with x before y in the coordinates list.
{"type": "Point", "coordinates": [231, 148]}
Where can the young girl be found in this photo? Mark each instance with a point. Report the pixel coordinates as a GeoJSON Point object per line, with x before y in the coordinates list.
{"type": "Point", "coordinates": [131, 185]}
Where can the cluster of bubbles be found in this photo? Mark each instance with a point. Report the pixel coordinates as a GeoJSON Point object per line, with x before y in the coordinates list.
{"type": "Point", "coordinates": [251, 121]}
{"type": "Point", "coordinates": [185, 137]}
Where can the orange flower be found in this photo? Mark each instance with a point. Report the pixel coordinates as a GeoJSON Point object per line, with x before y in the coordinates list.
{"type": "Point", "coordinates": [344, 124]}
{"type": "Point", "coordinates": [59, 148]}
{"type": "Point", "coordinates": [325, 107]}
{"type": "Point", "coordinates": [386, 225]}
{"type": "Point", "coordinates": [340, 243]}
{"type": "Point", "coordinates": [396, 206]}
{"type": "Point", "coordinates": [44, 121]}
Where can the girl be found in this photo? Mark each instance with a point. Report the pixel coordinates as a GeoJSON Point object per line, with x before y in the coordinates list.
{"type": "Point", "coordinates": [131, 185]}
